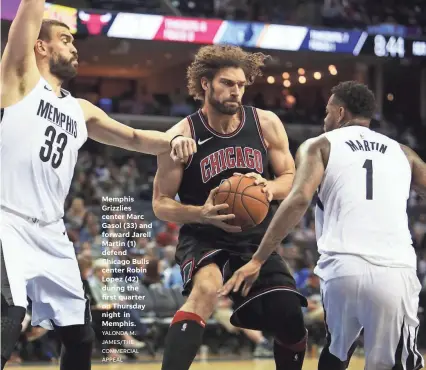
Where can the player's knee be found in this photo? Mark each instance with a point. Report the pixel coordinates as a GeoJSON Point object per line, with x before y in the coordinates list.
{"type": "Point", "coordinates": [287, 322]}
{"type": "Point", "coordinates": [207, 292]}
{"type": "Point", "coordinates": [77, 335]}
{"type": "Point", "coordinates": [11, 324]}
{"type": "Point", "coordinates": [204, 294]}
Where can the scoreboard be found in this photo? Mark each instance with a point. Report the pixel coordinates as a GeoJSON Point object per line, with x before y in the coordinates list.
{"type": "Point", "coordinates": [384, 46]}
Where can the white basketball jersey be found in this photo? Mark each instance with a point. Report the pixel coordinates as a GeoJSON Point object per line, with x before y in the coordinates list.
{"type": "Point", "coordinates": [39, 141]}
{"type": "Point", "coordinates": [362, 207]}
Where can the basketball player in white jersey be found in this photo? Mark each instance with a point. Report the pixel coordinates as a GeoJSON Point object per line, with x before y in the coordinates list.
{"type": "Point", "coordinates": [42, 128]}
{"type": "Point", "coordinates": [367, 265]}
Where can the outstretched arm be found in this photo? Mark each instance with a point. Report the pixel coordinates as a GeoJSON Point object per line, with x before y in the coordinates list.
{"type": "Point", "coordinates": [310, 170]}
{"type": "Point", "coordinates": [106, 130]}
{"type": "Point", "coordinates": [418, 170]}
{"type": "Point", "coordinates": [311, 159]}
{"type": "Point", "coordinates": [19, 72]}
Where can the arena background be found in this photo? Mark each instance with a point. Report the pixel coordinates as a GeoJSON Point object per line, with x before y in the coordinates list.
{"type": "Point", "coordinates": [133, 60]}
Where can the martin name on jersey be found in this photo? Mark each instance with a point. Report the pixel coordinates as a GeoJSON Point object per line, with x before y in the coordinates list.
{"type": "Point", "coordinates": [366, 146]}
{"type": "Point", "coordinates": [362, 202]}
{"type": "Point", "coordinates": [39, 141]}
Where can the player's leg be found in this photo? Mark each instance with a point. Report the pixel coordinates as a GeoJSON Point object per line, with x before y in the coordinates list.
{"type": "Point", "coordinates": [389, 315]}
{"type": "Point", "coordinates": [14, 258]}
{"type": "Point", "coordinates": [284, 318]}
{"type": "Point", "coordinates": [59, 300]}
{"type": "Point", "coordinates": [273, 305]}
{"type": "Point", "coordinates": [340, 300]}
{"type": "Point", "coordinates": [186, 331]}
{"type": "Point", "coordinates": [77, 342]}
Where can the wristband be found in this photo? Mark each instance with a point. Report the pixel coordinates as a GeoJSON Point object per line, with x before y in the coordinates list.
{"type": "Point", "coordinates": [173, 139]}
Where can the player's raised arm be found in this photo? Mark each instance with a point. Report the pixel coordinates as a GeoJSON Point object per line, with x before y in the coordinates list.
{"type": "Point", "coordinates": [106, 130]}
{"type": "Point", "coordinates": [278, 152]}
{"type": "Point", "coordinates": [166, 185]}
{"type": "Point", "coordinates": [18, 60]}
{"type": "Point", "coordinates": [418, 168]}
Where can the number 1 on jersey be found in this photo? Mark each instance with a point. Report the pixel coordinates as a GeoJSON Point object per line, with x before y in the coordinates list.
{"type": "Point", "coordinates": [368, 165]}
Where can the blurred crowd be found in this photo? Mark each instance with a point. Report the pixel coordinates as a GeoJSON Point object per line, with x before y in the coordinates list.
{"type": "Point", "coordinates": [149, 268]}
{"type": "Point", "coordinates": [331, 13]}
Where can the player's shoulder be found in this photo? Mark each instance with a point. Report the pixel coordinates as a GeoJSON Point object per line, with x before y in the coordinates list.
{"type": "Point", "coordinates": [316, 143]}
{"type": "Point", "coordinates": [89, 109]}
{"type": "Point", "coordinates": [272, 127]}
{"type": "Point", "coordinates": [183, 127]}
{"type": "Point", "coordinates": [411, 155]}
{"type": "Point", "coordinates": [266, 116]}
{"type": "Point", "coordinates": [84, 103]}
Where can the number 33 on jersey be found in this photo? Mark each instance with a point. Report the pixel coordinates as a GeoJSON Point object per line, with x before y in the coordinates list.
{"type": "Point", "coordinates": [52, 129]}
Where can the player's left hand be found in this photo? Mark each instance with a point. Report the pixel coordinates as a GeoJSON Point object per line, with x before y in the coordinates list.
{"type": "Point", "coordinates": [246, 274]}
{"type": "Point", "coordinates": [259, 180]}
{"type": "Point", "coordinates": [182, 148]}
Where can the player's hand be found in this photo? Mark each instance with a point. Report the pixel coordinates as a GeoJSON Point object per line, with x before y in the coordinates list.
{"type": "Point", "coordinates": [244, 276]}
{"type": "Point", "coordinates": [209, 214]}
{"type": "Point", "coordinates": [259, 180]}
{"type": "Point", "coordinates": [182, 148]}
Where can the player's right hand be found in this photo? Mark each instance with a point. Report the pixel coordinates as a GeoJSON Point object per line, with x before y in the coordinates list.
{"type": "Point", "coordinates": [182, 148]}
{"type": "Point", "coordinates": [209, 214]}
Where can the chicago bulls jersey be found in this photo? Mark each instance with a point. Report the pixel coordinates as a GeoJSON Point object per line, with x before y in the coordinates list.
{"type": "Point", "coordinates": [218, 157]}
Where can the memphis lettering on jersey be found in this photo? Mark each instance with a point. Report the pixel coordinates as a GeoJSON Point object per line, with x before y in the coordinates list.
{"type": "Point", "coordinates": [366, 146]}
{"type": "Point", "coordinates": [53, 115]}
{"type": "Point", "coordinates": [228, 158]}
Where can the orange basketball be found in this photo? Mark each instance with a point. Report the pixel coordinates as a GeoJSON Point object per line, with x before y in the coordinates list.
{"type": "Point", "coordinates": [245, 199]}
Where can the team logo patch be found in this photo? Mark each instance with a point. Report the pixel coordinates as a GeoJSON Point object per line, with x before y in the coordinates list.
{"type": "Point", "coordinates": [187, 271]}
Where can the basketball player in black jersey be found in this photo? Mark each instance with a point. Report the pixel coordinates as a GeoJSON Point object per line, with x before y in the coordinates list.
{"type": "Point", "coordinates": [231, 138]}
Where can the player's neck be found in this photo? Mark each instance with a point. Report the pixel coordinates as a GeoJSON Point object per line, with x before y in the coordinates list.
{"type": "Point", "coordinates": [54, 82]}
{"type": "Point", "coordinates": [222, 123]}
{"type": "Point", "coordinates": [356, 122]}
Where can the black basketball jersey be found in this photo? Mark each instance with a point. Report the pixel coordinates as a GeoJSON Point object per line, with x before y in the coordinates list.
{"type": "Point", "coordinates": [218, 157]}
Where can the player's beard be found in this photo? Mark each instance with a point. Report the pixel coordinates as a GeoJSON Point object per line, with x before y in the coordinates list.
{"type": "Point", "coordinates": [221, 106]}
{"type": "Point", "coordinates": [62, 68]}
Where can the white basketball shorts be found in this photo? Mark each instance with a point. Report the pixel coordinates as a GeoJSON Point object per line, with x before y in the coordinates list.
{"type": "Point", "coordinates": [382, 300]}
{"type": "Point", "coordinates": [39, 261]}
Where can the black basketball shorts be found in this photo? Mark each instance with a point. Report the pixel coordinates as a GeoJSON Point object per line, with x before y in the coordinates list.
{"type": "Point", "coordinates": [194, 253]}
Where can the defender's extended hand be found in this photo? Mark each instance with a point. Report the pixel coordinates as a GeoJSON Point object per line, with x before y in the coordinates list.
{"type": "Point", "coordinates": [182, 148]}
{"type": "Point", "coordinates": [246, 274]}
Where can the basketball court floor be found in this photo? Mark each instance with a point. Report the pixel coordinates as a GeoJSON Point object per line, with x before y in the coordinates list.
{"type": "Point", "coordinates": [310, 364]}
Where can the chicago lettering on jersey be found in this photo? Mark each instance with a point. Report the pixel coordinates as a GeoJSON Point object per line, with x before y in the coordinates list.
{"type": "Point", "coordinates": [366, 146]}
{"type": "Point", "coordinates": [55, 116]}
{"type": "Point", "coordinates": [228, 158]}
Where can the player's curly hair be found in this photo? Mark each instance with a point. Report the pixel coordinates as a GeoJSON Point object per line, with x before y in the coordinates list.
{"type": "Point", "coordinates": [356, 97]}
{"type": "Point", "coordinates": [210, 59]}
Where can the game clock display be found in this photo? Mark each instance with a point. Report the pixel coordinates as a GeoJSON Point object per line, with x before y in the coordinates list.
{"type": "Point", "coordinates": [384, 46]}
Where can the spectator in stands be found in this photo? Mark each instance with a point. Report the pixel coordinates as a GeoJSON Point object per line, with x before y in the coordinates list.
{"type": "Point", "coordinates": [180, 106]}
{"type": "Point", "coordinates": [171, 276]}
{"type": "Point", "coordinates": [153, 273]}
{"type": "Point", "coordinates": [75, 215]}
{"type": "Point", "coordinates": [90, 232]}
